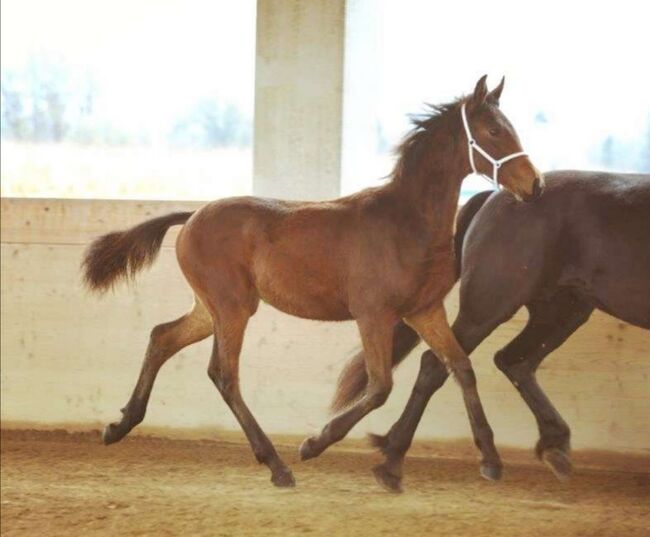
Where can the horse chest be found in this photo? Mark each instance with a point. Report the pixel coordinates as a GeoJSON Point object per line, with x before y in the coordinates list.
{"type": "Point", "coordinates": [432, 281]}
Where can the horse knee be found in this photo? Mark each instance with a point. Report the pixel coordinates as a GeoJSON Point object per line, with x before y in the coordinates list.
{"type": "Point", "coordinates": [515, 369]}
{"type": "Point", "coordinates": [378, 393]}
{"type": "Point", "coordinates": [464, 374]}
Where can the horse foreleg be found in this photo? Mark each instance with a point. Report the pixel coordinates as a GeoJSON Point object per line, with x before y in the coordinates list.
{"type": "Point", "coordinates": [549, 325]}
{"type": "Point", "coordinates": [165, 341]}
{"type": "Point", "coordinates": [431, 377]}
{"type": "Point", "coordinates": [433, 327]}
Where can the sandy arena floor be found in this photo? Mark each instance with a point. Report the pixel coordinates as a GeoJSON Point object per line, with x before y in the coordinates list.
{"type": "Point", "coordinates": [54, 483]}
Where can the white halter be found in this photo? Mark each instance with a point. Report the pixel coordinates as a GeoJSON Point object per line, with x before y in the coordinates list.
{"type": "Point", "coordinates": [496, 164]}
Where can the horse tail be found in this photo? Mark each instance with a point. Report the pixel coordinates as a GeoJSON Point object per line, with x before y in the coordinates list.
{"type": "Point", "coordinates": [354, 377]}
{"type": "Point", "coordinates": [463, 220]}
{"type": "Point", "coordinates": [121, 254]}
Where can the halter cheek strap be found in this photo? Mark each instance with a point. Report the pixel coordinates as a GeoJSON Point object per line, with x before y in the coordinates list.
{"type": "Point", "coordinates": [473, 145]}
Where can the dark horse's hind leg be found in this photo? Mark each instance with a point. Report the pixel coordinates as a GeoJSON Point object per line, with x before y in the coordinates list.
{"type": "Point", "coordinates": [397, 441]}
{"type": "Point", "coordinates": [549, 325]}
{"type": "Point", "coordinates": [165, 341]}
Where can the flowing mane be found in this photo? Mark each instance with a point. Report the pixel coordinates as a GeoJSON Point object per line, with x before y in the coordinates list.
{"type": "Point", "coordinates": [412, 146]}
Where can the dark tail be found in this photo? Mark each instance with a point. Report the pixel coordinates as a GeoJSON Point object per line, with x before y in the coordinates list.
{"type": "Point", "coordinates": [119, 255]}
{"type": "Point", "coordinates": [354, 377]}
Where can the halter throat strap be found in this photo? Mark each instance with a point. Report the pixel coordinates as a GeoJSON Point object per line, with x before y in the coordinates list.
{"type": "Point", "coordinates": [472, 145]}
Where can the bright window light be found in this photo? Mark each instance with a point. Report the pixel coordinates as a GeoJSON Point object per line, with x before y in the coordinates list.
{"type": "Point", "coordinates": [577, 84]}
{"type": "Point", "coordinates": [127, 99]}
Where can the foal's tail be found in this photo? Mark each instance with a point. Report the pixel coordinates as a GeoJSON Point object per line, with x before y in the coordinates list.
{"type": "Point", "coordinates": [354, 377]}
{"type": "Point", "coordinates": [119, 255]}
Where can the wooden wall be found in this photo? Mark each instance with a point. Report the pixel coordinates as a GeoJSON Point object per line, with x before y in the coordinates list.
{"type": "Point", "coordinates": [69, 357]}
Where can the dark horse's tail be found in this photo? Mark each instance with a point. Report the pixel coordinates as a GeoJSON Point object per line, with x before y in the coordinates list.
{"type": "Point", "coordinates": [353, 379]}
{"type": "Point", "coordinates": [119, 255]}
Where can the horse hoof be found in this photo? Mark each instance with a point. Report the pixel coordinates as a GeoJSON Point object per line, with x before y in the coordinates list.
{"type": "Point", "coordinates": [112, 433]}
{"type": "Point", "coordinates": [559, 462]}
{"type": "Point", "coordinates": [283, 479]}
{"type": "Point", "coordinates": [307, 450]}
{"type": "Point", "coordinates": [388, 481]}
{"type": "Point", "coordinates": [491, 472]}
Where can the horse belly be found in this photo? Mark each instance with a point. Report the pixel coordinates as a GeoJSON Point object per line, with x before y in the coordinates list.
{"type": "Point", "coordinates": [300, 289]}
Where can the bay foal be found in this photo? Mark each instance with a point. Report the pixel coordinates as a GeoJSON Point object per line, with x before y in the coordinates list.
{"type": "Point", "coordinates": [378, 256]}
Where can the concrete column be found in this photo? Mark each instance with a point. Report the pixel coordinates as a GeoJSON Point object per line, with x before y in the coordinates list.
{"type": "Point", "coordinates": [299, 98]}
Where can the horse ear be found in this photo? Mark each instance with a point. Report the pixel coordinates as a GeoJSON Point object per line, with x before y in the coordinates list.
{"type": "Point", "coordinates": [480, 92]}
{"type": "Point", "coordinates": [494, 96]}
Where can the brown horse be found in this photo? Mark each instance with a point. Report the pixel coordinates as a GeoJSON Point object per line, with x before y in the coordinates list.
{"type": "Point", "coordinates": [585, 245]}
{"type": "Point", "coordinates": [378, 256]}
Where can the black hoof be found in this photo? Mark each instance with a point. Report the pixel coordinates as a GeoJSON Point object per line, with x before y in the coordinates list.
{"type": "Point", "coordinates": [390, 482]}
{"type": "Point", "coordinates": [283, 479]}
{"type": "Point", "coordinates": [491, 471]}
{"type": "Point", "coordinates": [112, 433]}
{"type": "Point", "coordinates": [308, 450]}
{"type": "Point", "coordinates": [559, 462]}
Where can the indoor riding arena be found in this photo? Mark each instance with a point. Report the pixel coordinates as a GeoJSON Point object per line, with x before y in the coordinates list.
{"type": "Point", "coordinates": [128, 118]}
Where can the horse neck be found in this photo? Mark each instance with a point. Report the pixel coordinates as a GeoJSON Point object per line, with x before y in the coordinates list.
{"type": "Point", "coordinates": [429, 185]}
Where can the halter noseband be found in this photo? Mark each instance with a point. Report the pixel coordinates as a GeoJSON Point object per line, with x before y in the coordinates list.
{"type": "Point", "coordinates": [496, 164]}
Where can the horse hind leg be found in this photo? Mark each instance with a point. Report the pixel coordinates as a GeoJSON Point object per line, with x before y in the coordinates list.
{"type": "Point", "coordinates": [377, 338]}
{"type": "Point", "coordinates": [549, 325]}
{"type": "Point", "coordinates": [229, 326]}
{"type": "Point", "coordinates": [166, 340]}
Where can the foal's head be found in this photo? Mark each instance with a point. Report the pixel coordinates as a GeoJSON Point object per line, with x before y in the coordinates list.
{"type": "Point", "coordinates": [494, 134]}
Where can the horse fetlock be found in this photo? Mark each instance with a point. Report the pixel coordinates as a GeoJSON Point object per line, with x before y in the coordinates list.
{"type": "Point", "coordinates": [133, 414]}
{"type": "Point", "coordinates": [557, 438]}
{"type": "Point", "coordinates": [262, 455]}
{"type": "Point", "coordinates": [309, 449]}
{"type": "Point", "coordinates": [381, 442]}
{"type": "Point", "coordinates": [283, 478]}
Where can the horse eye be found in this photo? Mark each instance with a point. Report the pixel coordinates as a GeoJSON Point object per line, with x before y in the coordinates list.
{"type": "Point", "coordinates": [494, 131]}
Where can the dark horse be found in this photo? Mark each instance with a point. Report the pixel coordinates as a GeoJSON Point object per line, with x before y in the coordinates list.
{"type": "Point", "coordinates": [584, 245]}
{"type": "Point", "coordinates": [379, 256]}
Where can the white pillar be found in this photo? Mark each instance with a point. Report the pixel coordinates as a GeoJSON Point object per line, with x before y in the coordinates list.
{"type": "Point", "coordinates": [298, 99]}
{"type": "Point", "coordinates": [359, 163]}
